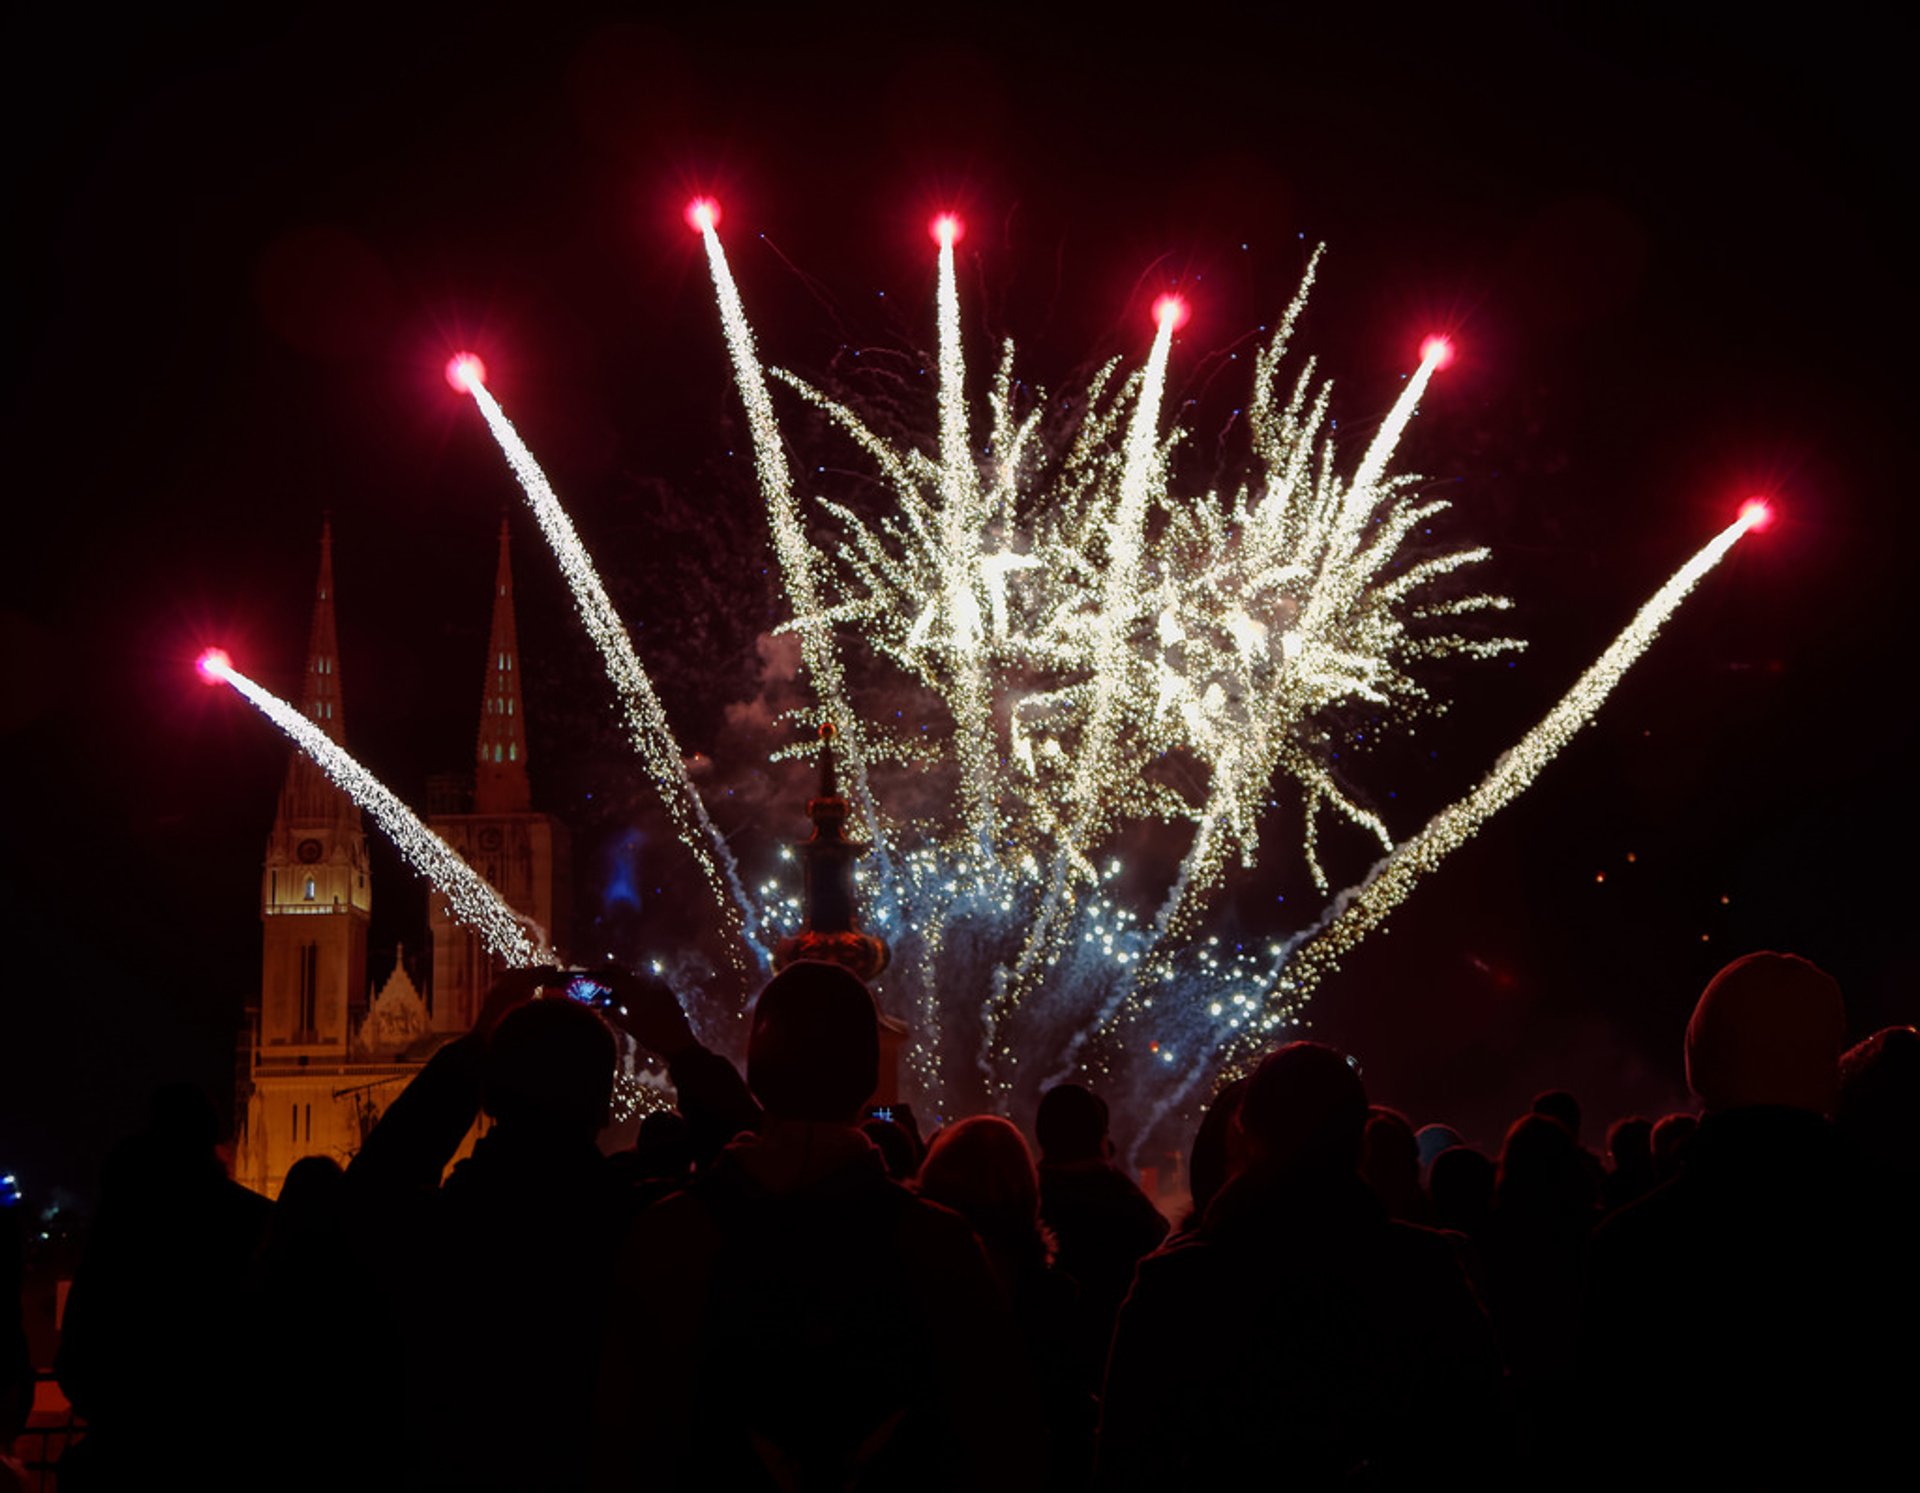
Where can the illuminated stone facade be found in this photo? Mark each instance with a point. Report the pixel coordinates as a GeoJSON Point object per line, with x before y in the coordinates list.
{"type": "Point", "coordinates": [324, 1053]}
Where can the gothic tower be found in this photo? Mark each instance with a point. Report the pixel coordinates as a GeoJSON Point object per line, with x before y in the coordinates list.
{"type": "Point", "coordinates": [523, 854]}
{"type": "Point", "coordinates": [301, 1092]}
{"type": "Point", "coordinates": [314, 898]}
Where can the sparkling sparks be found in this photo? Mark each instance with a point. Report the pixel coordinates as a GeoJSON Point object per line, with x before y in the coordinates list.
{"type": "Point", "coordinates": [474, 902]}
{"type": "Point", "coordinates": [647, 721]}
{"type": "Point", "coordinates": [798, 564]}
{"type": "Point", "coordinates": [1119, 658]}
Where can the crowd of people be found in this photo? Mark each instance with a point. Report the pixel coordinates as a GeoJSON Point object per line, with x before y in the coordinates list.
{"type": "Point", "coordinates": [776, 1289]}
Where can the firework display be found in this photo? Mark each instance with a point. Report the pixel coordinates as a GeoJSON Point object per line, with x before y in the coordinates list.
{"type": "Point", "coordinates": [1114, 652]}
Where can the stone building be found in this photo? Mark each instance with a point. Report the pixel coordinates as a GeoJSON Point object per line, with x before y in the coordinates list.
{"type": "Point", "coordinates": [323, 1051]}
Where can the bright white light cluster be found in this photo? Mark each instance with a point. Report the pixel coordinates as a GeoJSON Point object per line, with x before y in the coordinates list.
{"type": "Point", "coordinates": [1113, 649]}
{"type": "Point", "coordinates": [1088, 623]}
{"type": "Point", "coordinates": [474, 902]}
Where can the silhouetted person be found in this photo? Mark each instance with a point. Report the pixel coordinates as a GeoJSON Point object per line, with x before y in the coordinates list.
{"type": "Point", "coordinates": [513, 1253]}
{"type": "Point", "coordinates": [1460, 1193]}
{"type": "Point", "coordinates": [796, 1319]}
{"type": "Point", "coordinates": [1672, 1134]}
{"type": "Point", "coordinates": [16, 1359]}
{"type": "Point", "coordinates": [1461, 1187]}
{"type": "Point", "coordinates": [1104, 1222]}
{"type": "Point", "coordinates": [1535, 1251]}
{"type": "Point", "coordinates": [1302, 1339]}
{"type": "Point", "coordinates": [1390, 1165]}
{"type": "Point", "coordinates": [1432, 1140]}
{"type": "Point", "coordinates": [153, 1341]}
{"type": "Point", "coordinates": [1215, 1154]}
{"type": "Point", "coordinates": [1751, 1298]}
{"type": "Point", "coordinates": [1630, 1149]}
{"type": "Point", "coordinates": [324, 1351]}
{"type": "Point", "coordinates": [660, 1161]}
{"type": "Point", "coordinates": [981, 1169]}
{"type": "Point", "coordinates": [1558, 1104]}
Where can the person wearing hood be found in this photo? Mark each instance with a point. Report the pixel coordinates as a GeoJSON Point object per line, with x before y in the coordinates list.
{"type": "Point", "coordinates": [797, 1319]}
{"type": "Point", "coordinates": [1745, 1301]}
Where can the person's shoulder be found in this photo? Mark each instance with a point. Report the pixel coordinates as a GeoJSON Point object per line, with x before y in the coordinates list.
{"type": "Point", "coordinates": [929, 1222]}
{"type": "Point", "coordinates": [1414, 1246]}
{"type": "Point", "coordinates": [1652, 1213]}
{"type": "Point", "coordinates": [1187, 1257]}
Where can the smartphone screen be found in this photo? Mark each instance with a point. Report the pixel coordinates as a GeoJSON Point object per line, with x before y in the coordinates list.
{"type": "Point", "coordinates": [588, 991]}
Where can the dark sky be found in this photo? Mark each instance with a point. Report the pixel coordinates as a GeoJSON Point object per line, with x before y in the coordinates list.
{"type": "Point", "coordinates": [242, 251]}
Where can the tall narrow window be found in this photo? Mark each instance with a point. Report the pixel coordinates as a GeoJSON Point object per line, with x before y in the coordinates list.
{"type": "Point", "coordinates": [310, 888]}
{"type": "Point", "coordinates": [309, 987]}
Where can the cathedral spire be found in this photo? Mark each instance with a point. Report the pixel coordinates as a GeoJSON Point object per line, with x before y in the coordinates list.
{"type": "Point", "coordinates": [320, 696]}
{"type": "Point", "coordinates": [500, 776]}
{"type": "Point", "coordinates": [308, 795]}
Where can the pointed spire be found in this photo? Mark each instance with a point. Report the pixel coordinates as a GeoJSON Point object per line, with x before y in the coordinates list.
{"type": "Point", "coordinates": [309, 796]}
{"type": "Point", "coordinates": [320, 696]}
{"type": "Point", "coordinates": [500, 777]}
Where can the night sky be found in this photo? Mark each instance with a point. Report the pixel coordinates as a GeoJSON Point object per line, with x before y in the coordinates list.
{"type": "Point", "coordinates": [243, 250]}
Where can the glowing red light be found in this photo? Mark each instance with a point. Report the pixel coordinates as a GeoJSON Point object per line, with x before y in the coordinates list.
{"type": "Point", "coordinates": [1756, 513]}
{"type": "Point", "coordinates": [947, 230]}
{"type": "Point", "coordinates": [1171, 312]}
{"type": "Point", "coordinates": [703, 213]}
{"type": "Point", "coordinates": [465, 372]}
{"type": "Point", "coordinates": [1437, 351]}
{"type": "Point", "coordinates": [214, 665]}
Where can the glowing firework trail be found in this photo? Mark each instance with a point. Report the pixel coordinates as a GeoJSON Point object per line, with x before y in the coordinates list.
{"type": "Point", "coordinates": [790, 538]}
{"type": "Point", "coordinates": [961, 522]}
{"type": "Point", "coordinates": [646, 718]}
{"type": "Point", "coordinates": [1120, 586]}
{"type": "Point", "coordinates": [1090, 796]}
{"type": "Point", "coordinates": [1357, 914]}
{"type": "Point", "coordinates": [474, 902]}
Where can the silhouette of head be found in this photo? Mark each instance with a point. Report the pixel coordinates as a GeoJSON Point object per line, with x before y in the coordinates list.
{"type": "Point", "coordinates": [1215, 1155]}
{"type": "Point", "coordinates": [1630, 1143]}
{"type": "Point", "coordinates": [1433, 1139]}
{"type": "Point", "coordinates": [1767, 1030]}
{"type": "Point", "coordinates": [1670, 1136]}
{"type": "Point", "coordinates": [981, 1168]}
{"type": "Point", "coordinates": [1558, 1104]}
{"type": "Point", "coordinates": [1071, 1124]}
{"type": "Point", "coordinates": [1389, 1152]}
{"type": "Point", "coordinates": [549, 1068]}
{"type": "Point", "coordinates": [1540, 1165]}
{"type": "Point", "coordinates": [1461, 1186]}
{"type": "Point", "coordinates": [1879, 1103]}
{"type": "Point", "coordinates": [663, 1145]}
{"type": "Point", "coordinates": [814, 1051]}
{"type": "Point", "coordinates": [1305, 1113]}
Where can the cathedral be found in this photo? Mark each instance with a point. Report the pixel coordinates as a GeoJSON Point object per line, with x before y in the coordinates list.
{"type": "Point", "coordinates": [324, 1052]}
